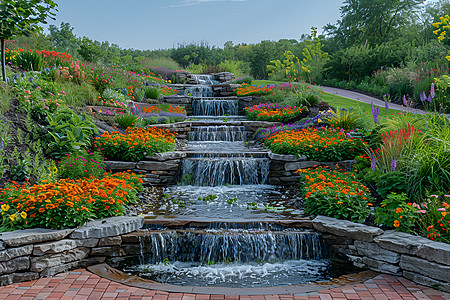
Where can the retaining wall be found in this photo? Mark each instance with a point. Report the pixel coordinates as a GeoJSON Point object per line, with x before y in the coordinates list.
{"type": "Point", "coordinates": [34, 253]}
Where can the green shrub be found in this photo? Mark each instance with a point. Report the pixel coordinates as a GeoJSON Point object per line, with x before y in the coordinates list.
{"type": "Point", "coordinates": [126, 120]}
{"type": "Point", "coordinates": [335, 194]}
{"type": "Point", "coordinates": [81, 164]}
{"type": "Point", "coordinates": [342, 118]}
{"type": "Point", "coordinates": [396, 213]}
{"type": "Point", "coordinates": [152, 92]}
{"type": "Point", "coordinates": [30, 61]}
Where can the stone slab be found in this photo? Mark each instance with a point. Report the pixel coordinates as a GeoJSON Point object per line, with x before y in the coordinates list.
{"type": "Point", "coordinates": [382, 266]}
{"type": "Point", "coordinates": [426, 281]}
{"type": "Point", "coordinates": [294, 166]}
{"type": "Point", "coordinates": [108, 227]}
{"type": "Point", "coordinates": [110, 241]}
{"type": "Point", "coordinates": [167, 156]}
{"type": "Point", "coordinates": [401, 242]}
{"type": "Point", "coordinates": [346, 228]}
{"type": "Point", "coordinates": [40, 263]}
{"type": "Point", "coordinates": [32, 236]}
{"type": "Point", "coordinates": [435, 251]}
{"type": "Point", "coordinates": [120, 165]}
{"type": "Point", "coordinates": [15, 252]}
{"type": "Point", "coordinates": [286, 157]}
{"type": "Point", "coordinates": [14, 265]}
{"type": "Point", "coordinates": [372, 250]}
{"type": "Point", "coordinates": [51, 271]}
{"type": "Point", "coordinates": [62, 245]}
{"type": "Point", "coordinates": [426, 268]}
{"type": "Point", "coordinates": [157, 166]}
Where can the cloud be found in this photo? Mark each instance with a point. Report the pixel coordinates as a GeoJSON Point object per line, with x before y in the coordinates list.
{"type": "Point", "coordinates": [183, 3]}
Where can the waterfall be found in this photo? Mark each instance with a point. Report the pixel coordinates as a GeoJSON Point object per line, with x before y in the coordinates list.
{"type": "Point", "coordinates": [215, 171]}
{"type": "Point", "coordinates": [204, 79]}
{"type": "Point", "coordinates": [234, 246]}
{"type": "Point", "coordinates": [213, 107]}
{"type": "Point", "coordinates": [217, 133]}
{"type": "Point", "coordinates": [200, 91]}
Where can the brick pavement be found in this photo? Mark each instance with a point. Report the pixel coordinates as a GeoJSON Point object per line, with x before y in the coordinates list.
{"type": "Point", "coordinates": [81, 285]}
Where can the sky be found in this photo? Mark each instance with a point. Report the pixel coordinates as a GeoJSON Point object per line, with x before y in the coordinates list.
{"type": "Point", "coordinates": [162, 24]}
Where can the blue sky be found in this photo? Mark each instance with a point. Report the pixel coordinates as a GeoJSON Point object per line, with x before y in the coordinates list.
{"type": "Point", "coordinates": [155, 24]}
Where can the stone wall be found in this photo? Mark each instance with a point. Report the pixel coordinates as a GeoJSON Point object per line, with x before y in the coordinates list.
{"type": "Point", "coordinates": [160, 169]}
{"type": "Point", "coordinates": [416, 258]}
{"type": "Point", "coordinates": [283, 167]}
{"type": "Point", "coordinates": [33, 253]}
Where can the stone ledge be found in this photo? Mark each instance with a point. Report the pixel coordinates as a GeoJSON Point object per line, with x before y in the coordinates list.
{"type": "Point", "coordinates": [107, 227]}
{"type": "Point", "coordinates": [346, 228]}
{"type": "Point", "coordinates": [32, 236]}
{"type": "Point", "coordinates": [401, 242]}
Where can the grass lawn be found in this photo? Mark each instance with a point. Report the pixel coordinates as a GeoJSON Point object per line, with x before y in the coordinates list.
{"type": "Point", "coordinates": [265, 82]}
{"type": "Point", "coordinates": [364, 108]}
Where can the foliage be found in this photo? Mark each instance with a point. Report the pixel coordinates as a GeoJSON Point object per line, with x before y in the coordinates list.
{"type": "Point", "coordinates": [335, 194]}
{"type": "Point", "coordinates": [396, 212]}
{"type": "Point", "coordinates": [435, 219]}
{"type": "Point", "coordinates": [345, 119]}
{"type": "Point", "coordinates": [152, 92]}
{"type": "Point", "coordinates": [126, 119]}
{"type": "Point", "coordinates": [249, 90]}
{"type": "Point", "coordinates": [316, 144]}
{"type": "Point", "coordinates": [81, 164]}
{"type": "Point", "coordinates": [272, 113]}
{"type": "Point", "coordinates": [135, 144]}
{"type": "Point", "coordinates": [67, 203]}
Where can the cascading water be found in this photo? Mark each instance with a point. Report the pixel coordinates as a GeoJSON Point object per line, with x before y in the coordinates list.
{"type": "Point", "coordinates": [199, 91]}
{"type": "Point", "coordinates": [204, 79]}
{"type": "Point", "coordinates": [215, 107]}
{"type": "Point", "coordinates": [233, 170]}
{"type": "Point", "coordinates": [217, 133]}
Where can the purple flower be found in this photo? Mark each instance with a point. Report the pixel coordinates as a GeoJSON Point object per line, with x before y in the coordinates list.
{"type": "Point", "coordinates": [386, 104]}
{"type": "Point", "coordinates": [432, 93]}
{"type": "Point", "coordinates": [394, 164]}
{"type": "Point", "coordinates": [405, 103]}
{"type": "Point", "coordinates": [429, 98]}
{"type": "Point", "coordinates": [373, 163]}
{"type": "Point", "coordinates": [423, 97]}
{"type": "Point", "coordinates": [375, 112]}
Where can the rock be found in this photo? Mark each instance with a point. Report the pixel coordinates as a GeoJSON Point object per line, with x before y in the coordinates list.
{"type": "Point", "coordinates": [108, 251]}
{"type": "Point", "coordinates": [14, 265]}
{"type": "Point", "coordinates": [120, 165]}
{"type": "Point", "coordinates": [15, 252]}
{"type": "Point", "coordinates": [110, 241]}
{"type": "Point", "coordinates": [107, 227]}
{"type": "Point", "coordinates": [346, 164]}
{"type": "Point", "coordinates": [62, 245]}
{"type": "Point", "coordinates": [40, 263]}
{"type": "Point", "coordinates": [286, 158]}
{"type": "Point", "coordinates": [22, 277]}
{"type": "Point", "coordinates": [401, 242]}
{"type": "Point", "coordinates": [301, 165]}
{"type": "Point", "coordinates": [357, 261]}
{"type": "Point", "coordinates": [382, 266]}
{"type": "Point", "coordinates": [290, 179]}
{"type": "Point", "coordinates": [423, 280]}
{"type": "Point", "coordinates": [372, 250]}
{"type": "Point", "coordinates": [346, 228]}
{"type": "Point", "coordinates": [426, 268]}
{"type": "Point", "coordinates": [157, 166]}
{"type": "Point", "coordinates": [331, 239]}
{"type": "Point", "coordinates": [32, 236]}
{"type": "Point", "coordinates": [435, 251]}
{"type": "Point", "coordinates": [53, 270]}
{"type": "Point", "coordinates": [167, 156]}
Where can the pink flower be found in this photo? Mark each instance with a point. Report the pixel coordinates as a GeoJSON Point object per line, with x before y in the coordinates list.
{"type": "Point", "coordinates": [435, 196]}
{"type": "Point", "coordinates": [422, 211]}
{"type": "Point", "coordinates": [441, 209]}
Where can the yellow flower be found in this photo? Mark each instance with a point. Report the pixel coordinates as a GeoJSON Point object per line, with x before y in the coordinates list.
{"type": "Point", "coordinates": [5, 207]}
{"type": "Point", "coordinates": [23, 215]}
{"type": "Point", "coordinates": [12, 217]}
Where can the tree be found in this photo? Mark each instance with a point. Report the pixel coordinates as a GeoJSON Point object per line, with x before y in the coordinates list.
{"type": "Point", "coordinates": [21, 17]}
{"type": "Point", "coordinates": [90, 50]}
{"type": "Point", "coordinates": [63, 38]}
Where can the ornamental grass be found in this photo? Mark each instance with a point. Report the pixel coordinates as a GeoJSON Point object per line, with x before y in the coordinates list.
{"type": "Point", "coordinates": [135, 144]}
{"type": "Point", "coordinates": [67, 203]}
{"type": "Point", "coordinates": [335, 194]}
{"type": "Point", "coordinates": [317, 144]}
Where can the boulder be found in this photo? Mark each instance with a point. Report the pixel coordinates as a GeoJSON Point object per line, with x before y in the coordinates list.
{"type": "Point", "coordinates": [102, 228]}
{"type": "Point", "coordinates": [346, 228]}
{"type": "Point", "coordinates": [62, 245]}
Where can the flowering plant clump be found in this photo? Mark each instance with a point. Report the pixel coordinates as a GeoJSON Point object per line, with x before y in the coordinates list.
{"type": "Point", "coordinates": [168, 91]}
{"type": "Point", "coordinates": [396, 212]}
{"type": "Point", "coordinates": [434, 221]}
{"type": "Point", "coordinates": [317, 144]}
{"type": "Point", "coordinates": [272, 113]}
{"type": "Point", "coordinates": [81, 164]}
{"type": "Point", "coordinates": [335, 194]}
{"type": "Point", "coordinates": [67, 203]}
{"type": "Point", "coordinates": [136, 143]}
{"type": "Point", "coordinates": [250, 90]}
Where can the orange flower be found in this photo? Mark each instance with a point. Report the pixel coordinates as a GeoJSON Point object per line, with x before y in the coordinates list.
{"type": "Point", "coordinates": [396, 223]}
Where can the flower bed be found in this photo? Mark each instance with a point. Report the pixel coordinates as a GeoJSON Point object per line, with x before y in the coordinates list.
{"type": "Point", "coordinates": [317, 144]}
{"type": "Point", "coordinates": [135, 144]}
{"type": "Point", "coordinates": [335, 194]}
{"type": "Point", "coordinates": [67, 203]}
{"type": "Point", "coordinates": [272, 113]}
{"type": "Point", "coordinates": [246, 90]}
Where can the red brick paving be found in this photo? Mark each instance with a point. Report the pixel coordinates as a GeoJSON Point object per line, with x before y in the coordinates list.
{"type": "Point", "coordinates": [83, 285]}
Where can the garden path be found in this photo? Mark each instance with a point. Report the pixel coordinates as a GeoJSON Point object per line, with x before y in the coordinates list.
{"type": "Point", "coordinates": [368, 99]}
{"type": "Point", "coordinates": [81, 284]}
